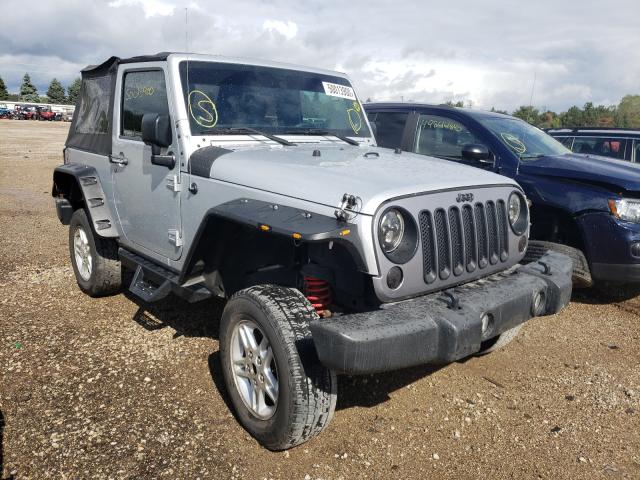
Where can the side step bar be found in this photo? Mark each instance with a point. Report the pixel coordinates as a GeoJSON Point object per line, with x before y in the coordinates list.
{"type": "Point", "coordinates": [151, 282]}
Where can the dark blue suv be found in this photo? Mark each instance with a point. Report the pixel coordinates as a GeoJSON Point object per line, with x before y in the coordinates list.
{"type": "Point", "coordinates": [586, 207]}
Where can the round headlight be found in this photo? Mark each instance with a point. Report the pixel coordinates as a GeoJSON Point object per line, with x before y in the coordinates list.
{"type": "Point", "coordinates": [391, 230]}
{"type": "Point", "coordinates": [518, 215]}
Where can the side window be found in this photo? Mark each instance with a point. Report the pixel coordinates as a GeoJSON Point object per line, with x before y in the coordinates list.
{"type": "Point", "coordinates": [636, 149]}
{"type": "Point", "coordinates": [566, 141]}
{"type": "Point", "coordinates": [93, 109]}
{"type": "Point", "coordinates": [442, 137]}
{"type": "Point", "coordinates": [607, 147]}
{"type": "Point", "coordinates": [390, 127]}
{"type": "Point", "coordinates": [142, 92]}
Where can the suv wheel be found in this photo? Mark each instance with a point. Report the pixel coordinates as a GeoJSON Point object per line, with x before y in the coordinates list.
{"type": "Point", "coordinates": [95, 259]}
{"type": "Point", "coordinates": [280, 392]}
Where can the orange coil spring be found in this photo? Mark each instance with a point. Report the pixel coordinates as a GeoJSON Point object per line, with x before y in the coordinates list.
{"type": "Point", "coordinates": [318, 292]}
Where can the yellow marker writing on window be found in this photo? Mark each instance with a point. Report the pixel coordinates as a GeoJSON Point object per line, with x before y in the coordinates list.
{"type": "Point", "coordinates": [202, 109]}
{"type": "Point", "coordinates": [355, 120]}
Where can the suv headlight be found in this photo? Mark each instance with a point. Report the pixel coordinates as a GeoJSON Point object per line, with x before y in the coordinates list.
{"type": "Point", "coordinates": [625, 209]}
{"type": "Point", "coordinates": [391, 230]}
{"type": "Point", "coordinates": [518, 213]}
{"type": "Point", "coordinates": [398, 235]}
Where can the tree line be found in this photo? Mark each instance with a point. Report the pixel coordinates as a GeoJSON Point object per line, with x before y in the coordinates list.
{"type": "Point", "coordinates": [56, 93]}
{"type": "Point", "coordinates": [624, 115]}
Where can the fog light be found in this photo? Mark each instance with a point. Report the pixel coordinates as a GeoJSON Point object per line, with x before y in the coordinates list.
{"type": "Point", "coordinates": [522, 244]}
{"type": "Point", "coordinates": [394, 278]}
{"type": "Point", "coordinates": [635, 249]}
{"type": "Point", "coordinates": [486, 322]}
{"type": "Point", "coordinates": [539, 304]}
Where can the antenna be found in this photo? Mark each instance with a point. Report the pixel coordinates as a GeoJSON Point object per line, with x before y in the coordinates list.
{"type": "Point", "coordinates": [533, 87]}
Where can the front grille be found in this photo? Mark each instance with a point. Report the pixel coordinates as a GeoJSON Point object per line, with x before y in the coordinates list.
{"type": "Point", "coordinates": [463, 239]}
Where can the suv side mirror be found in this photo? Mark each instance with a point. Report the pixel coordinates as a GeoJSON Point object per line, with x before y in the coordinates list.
{"type": "Point", "coordinates": [477, 152]}
{"type": "Point", "coordinates": [156, 131]}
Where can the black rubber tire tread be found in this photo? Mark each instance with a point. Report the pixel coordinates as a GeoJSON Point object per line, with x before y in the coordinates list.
{"type": "Point", "coordinates": [106, 273]}
{"type": "Point", "coordinates": [581, 272]}
{"type": "Point", "coordinates": [500, 341]}
{"type": "Point", "coordinates": [313, 387]}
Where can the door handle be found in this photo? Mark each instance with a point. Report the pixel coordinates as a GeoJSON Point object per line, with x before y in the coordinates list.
{"type": "Point", "coordinates": [119, 160]}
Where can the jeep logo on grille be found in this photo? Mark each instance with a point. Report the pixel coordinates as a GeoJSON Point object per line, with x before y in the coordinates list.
{"type": "Point", "coordinates": [464, 197]}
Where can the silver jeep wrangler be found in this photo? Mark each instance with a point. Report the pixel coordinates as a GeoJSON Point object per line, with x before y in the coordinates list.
{"type": "Point", "coordinates": [261, 183]}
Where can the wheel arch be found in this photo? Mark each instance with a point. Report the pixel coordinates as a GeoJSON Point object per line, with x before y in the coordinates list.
{"type": "Point", "coordinates": [78, 186]}
{"type": "Point", "coordinates": [554, 224]}
{"type": "Point", "coordinates": [249, 229]}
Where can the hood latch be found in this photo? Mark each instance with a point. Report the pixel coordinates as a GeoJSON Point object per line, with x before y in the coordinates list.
{"type": "Point", "coordinates": [349, 207]}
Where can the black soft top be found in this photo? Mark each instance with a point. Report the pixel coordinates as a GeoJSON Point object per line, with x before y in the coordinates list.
{"type": "Point", "coordinates": [91, 126]}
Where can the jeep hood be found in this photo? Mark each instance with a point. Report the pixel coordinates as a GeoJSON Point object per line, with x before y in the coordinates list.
{"type": "Point", "coordinates": [371, 173]}
{"type": "Point", "coordinates": [592, 169]}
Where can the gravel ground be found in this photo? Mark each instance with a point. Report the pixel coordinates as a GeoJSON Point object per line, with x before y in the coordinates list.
{"type": "Point", "coordinates": [111, 388]}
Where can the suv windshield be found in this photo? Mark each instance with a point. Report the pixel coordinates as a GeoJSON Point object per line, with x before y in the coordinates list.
{"type": "Point", "coordinates": [220, 96]}
{"type": "Point", "coordinates": [525, 140]}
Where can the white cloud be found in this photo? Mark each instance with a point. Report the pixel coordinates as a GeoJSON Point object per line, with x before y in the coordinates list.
{"type": "Point", "coordinates": [484, 52]}
{"type": "Point", "coordinates": [151, 7]}
{"type": "Point", "coordinates": [287, 29]}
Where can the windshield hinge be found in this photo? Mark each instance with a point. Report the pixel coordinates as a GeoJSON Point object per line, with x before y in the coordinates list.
{"type": "Point", "coordinates": [175, 237]}
{"type": "Point", "coordinates": [173, 183]}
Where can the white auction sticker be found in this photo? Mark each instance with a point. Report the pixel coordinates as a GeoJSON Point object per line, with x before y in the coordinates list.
{"type": "Point", "coordinates": [342, 91]}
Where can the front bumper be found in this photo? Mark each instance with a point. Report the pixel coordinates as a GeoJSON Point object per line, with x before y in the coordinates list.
{"type": "Point", "coordinates": [434, 330]}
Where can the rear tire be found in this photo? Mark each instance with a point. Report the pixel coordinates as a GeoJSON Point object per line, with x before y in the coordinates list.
{"type": "Point", "coordinates": [500, 341]}
{"type": "Point", "coordinates": [581, 272]}
{"type": "Point", "coordinates": [95, 259]}
{"type": "Point", "coordinates": [277, 319]}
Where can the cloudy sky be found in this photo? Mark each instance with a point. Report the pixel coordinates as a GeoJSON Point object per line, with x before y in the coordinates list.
{"type": "Point", "coordinates": [484, 52]}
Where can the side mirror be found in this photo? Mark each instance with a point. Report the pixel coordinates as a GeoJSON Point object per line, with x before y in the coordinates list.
{"type": "Point", "coordinates": [156, 131]}
{"type": "Point", "coordinates": [477, 152]}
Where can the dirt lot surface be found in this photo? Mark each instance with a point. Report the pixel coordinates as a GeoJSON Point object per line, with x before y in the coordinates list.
{"type": "Point", "coordinates": [111, 388]}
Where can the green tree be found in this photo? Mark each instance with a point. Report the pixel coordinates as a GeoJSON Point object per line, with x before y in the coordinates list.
{"type": "Point", "coordinates": [496, 110]}
{"type": "Point", "coordinates": [459, 103]}
{"type": "Point", "coordinates": [549, 119]}
{"type": "Point", "coordinates": [56, 92]}
{"type": "Point", "coordinates": [4, 94]}
{"type": "Point", "coordinates": [572, 117]}
{"type": "Point", "coordinates": [28, 92]}
{"type": "Point", "coordinates": [528, 114]}
{"type": "Point", "coordinates": [628, 113]}
{"type": "Point", "coordinates": [73, 91]}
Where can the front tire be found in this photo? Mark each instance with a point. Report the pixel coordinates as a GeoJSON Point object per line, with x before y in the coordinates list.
{"type": "Point", "coordinates": [95, 259]}
{"type": "Point", "coordinates": [282, 395]}
{"type": "Point", "coordinates": [499, 341]}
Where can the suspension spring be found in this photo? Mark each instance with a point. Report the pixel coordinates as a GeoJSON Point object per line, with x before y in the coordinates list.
{"type": "Point", "coordinates": [318, 292]}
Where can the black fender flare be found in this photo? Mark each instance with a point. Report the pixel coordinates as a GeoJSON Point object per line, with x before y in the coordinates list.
{"type": "Point", "coordinates": [75, 183]}
{"type": "Point", "coordinates": [271, 218]}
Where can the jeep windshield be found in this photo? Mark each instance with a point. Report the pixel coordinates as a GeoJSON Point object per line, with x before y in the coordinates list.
{"type": "Point", "coordinates": [523, 139]}
{"type": "Point", "coordinates": [220, 97]}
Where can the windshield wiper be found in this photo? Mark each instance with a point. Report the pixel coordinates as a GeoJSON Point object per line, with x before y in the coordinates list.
{"type": "Point", "coordinates": [321, 132]}
{"type": "Point", "coordinates": [531, 157]}
{"type": "Point", "coordinates": [232, 130]}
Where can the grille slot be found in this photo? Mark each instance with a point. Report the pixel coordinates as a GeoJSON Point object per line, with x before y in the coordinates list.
{"type": "Point", "coordinates": [470, 243]}
{"type": "Point", "coordinates": [503, 234]}
{"type": "Point", "coordinates": [442, 245]}
{"type": "Point", "coordinates": [463, 238]}
{"type": "Point", "coordinates": [428, 246]}
{"type": "Point", "coordinates": [457, 245]}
